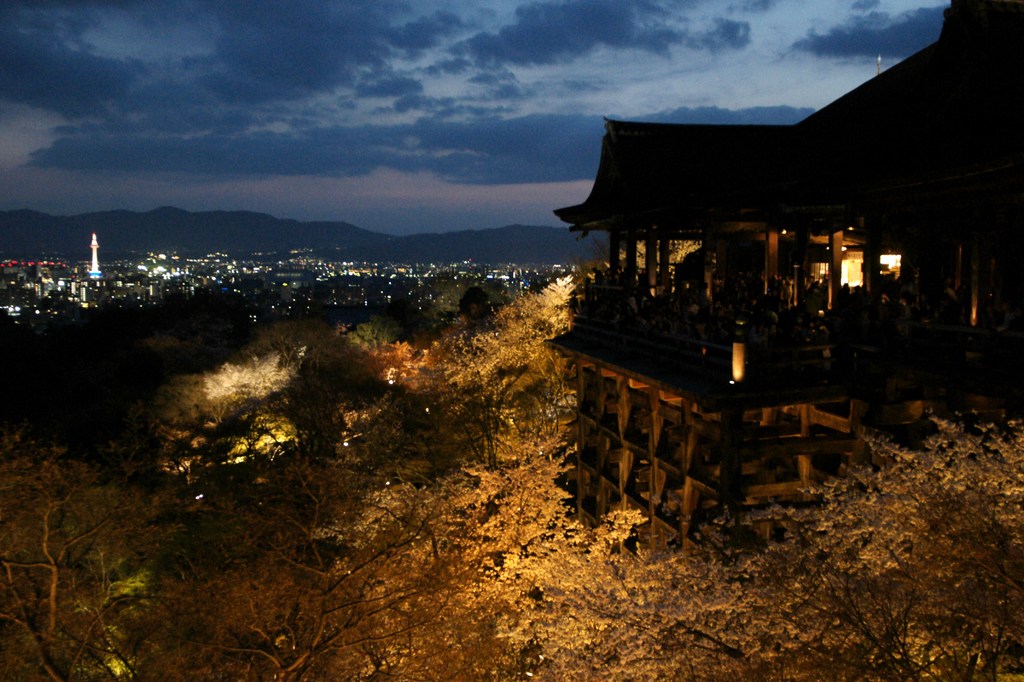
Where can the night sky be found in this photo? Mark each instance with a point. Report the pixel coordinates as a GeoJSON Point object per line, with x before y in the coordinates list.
{"type": "Point", "coordinates": [398, 116]}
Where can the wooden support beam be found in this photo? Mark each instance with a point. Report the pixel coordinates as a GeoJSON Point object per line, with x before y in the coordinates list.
{"type": "Point", "coordinates": [613, 254]}
{"type": "Point", "coordinates": [871, 267]}
{"type": "Point", "coordinates": [671, 414]}
{"type": "Point", "coordinates": [709, 430]}
{"type": "Point", "coordinates": [657, 420]}
{"type": "Point", "coordinates": [771, 255]}
{"type": "Point", "coordinates": [722, 256]}
{"type": "Point", "coordinates": [769, 416]}
{"type": "Point", "coordinates": [829, 420]}
{"type": "Point", "coordinates": [835, 273]}
{"type": "Point", "coordinates": [623, 405]}
{"type": "Point", "coordinates": [804, 468]}
{"type": "Point", "coordinates": [664, 265]}
{"type": "Point", "coordinates": [651, 263]}
{"type": "Point", "coordinates": [803, 237]}
{"type": "Point", "coordinates": [701, 489]}
{"type": "Point", "coordinates": [790, 446]}
{"type": "Point", "coordinates": [630, 264]}
{"type": "Point", "coordinates": [805, 420]}
{"type": "Point", "coordinates": [758, 494]}
{"type": "Point", "coordinates": [727, 451]}
{"type": "Point", "coordinates": [658, 479]}
{"type": "Point", "coordinates": [691, 444]}
{"type": "Point", "coordinates": [709, 269]}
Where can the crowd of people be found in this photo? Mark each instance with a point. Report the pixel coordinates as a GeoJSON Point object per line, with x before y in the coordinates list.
{"type": "Point", "coordinates": [742, 307]}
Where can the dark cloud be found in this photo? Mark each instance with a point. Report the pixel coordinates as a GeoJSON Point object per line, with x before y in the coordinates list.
{"type": "Point", "coordinates": [492, 78]}
{"type": "Point", "coordinates": [250, 62]}
{"type": "Point", "coordinates": [259, 93]}
{"type": "Point", "coordinates": [500, 84]}
{"type": "Point", "coordinates": [389, 86]}
{"type": "Point", "coordinates": [757, 5]}
{"type": "Point", "coordinates": [538, 148]}
{"type": "Point", "coordinates": [877, 34]}
{"type": "Point", "coordinates": [257, 59]}
{"type": "Point", "coordinates": [269, 51]}
{"type": "Point", "coordinates": [44, 64]}
{"type": "Point", "coordinates": [483, 150]}
{"type": "Point", "coordinates": [552, 32]}
{"type": "Point", "coordinates": [170, 107]}
{"type": "Point", "coordinates": [453, 66]}
{"type": "Point", "coordinates": [412, 102]}
{"type": "Point", "coordinates": [260, 52]}
{"type": "Point", "coordinates": [725, 34]}
{"type": "Point", "coordinates": [425, 32]}
{"type": "Point", "coordinates": [865, 5]}
{"type": "Point", "coordinates": [528, 149]}
{"type": "Point", "coordinates": [338, 151]}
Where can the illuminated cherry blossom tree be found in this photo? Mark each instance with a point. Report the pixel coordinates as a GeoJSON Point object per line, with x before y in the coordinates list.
{"type": "Point", "coordinates": [502, 377]}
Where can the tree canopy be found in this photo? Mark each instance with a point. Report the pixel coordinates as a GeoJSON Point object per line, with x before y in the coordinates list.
{"type": "Point", "coordinates": [305, 505]}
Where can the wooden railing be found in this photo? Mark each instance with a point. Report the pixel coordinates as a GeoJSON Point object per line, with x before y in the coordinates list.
{"type": "Point", "coordinates": [980, 353]}
{"type": "Point", "coordinates": [712, 361]}
{"type": "Point", "coordinates": [958, 341]}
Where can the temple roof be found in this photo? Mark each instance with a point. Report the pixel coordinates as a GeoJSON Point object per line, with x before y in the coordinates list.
{"type": "Point", "coordinates": [648, 168]}
{"type": "Point", "coordinates": [949, 119]}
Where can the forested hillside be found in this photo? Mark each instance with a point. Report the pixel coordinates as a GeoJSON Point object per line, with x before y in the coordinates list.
{"type": "Point", "coordinates": [286, 502]}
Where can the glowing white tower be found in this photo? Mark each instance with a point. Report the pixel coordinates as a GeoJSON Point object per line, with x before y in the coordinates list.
{"type": "Point", "coordinates": [94, 269]}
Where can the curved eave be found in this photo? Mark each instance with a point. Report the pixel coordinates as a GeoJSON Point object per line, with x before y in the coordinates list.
{"type": "Point", "coordinates": [650, 172]}
{"type": "Point", "coordinates": [943, 127]}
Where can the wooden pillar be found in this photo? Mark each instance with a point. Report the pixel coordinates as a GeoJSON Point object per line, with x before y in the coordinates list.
{"type": "Point", "coordinates": [691, 498]}
{"type": "Point", "coordinates": [657, 421]}
{"type": "Point", "coordinates": [729, 463]}
{"type": "Point", "coordinates": [624, 406]}
{"type": "Point", "coordinates": [835, 271]}
{"type": "Point", "coordinates": [805, 419]}
{"type": "Point", "coordinates": [805, 469]}
{"type": "Point", "coordinates": [651, 262]}
{"type": "Point", "coordinates": [613, 254]}
{"type": "Point", "coordinates": [709, 267]}
{"type": "Point", "coordinates": [870, 268]}
{"type": "Point", "coordinates": [987, 270]}
{"type": "Point", "coordinates": [654, 482]}
{"type": "Point", "coordinates": [692, 439]}
{"type": "Point", "coordinates": [771, 255]}
{"type": "Point", "coordinates": [975, 279]}
{"type": "Point", "coordinates": [739, 351]}
{"type": "Point", "coordinates": [664, 266]}
{"type": "Point", "coordinates": [722, 256]}
{"type": "Point", "coordinates": [625, 469]}
{"type": "Point", "coordinates": [803, 237]}
{"type": "Point", "coordinates": [958, 267]}
{"type": "Point", "coordinates": [630, 268]}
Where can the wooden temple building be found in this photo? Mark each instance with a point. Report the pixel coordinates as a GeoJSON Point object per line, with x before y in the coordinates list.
{"type": "Point", "coordinates": [891, 221]}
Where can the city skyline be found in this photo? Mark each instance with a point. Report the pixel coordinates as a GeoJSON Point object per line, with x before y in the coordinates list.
{"type": "Point", "coordinates": [395, 117]}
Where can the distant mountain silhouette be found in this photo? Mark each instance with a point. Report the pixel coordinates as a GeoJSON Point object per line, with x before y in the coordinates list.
{"type": "Point", "coordinates": [30, 234]}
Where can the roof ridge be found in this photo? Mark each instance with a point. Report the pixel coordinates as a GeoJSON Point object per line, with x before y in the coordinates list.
{"type": "Point", "coordinates": [980, 9]}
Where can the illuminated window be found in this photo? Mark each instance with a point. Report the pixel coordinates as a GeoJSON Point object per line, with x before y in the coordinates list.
{"type": "Point", "coordinates": [853, 270]}
{"type": "Point", "coordinates": [890, 263]}
{"type": "Point", "coordinates": [817, 271]}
